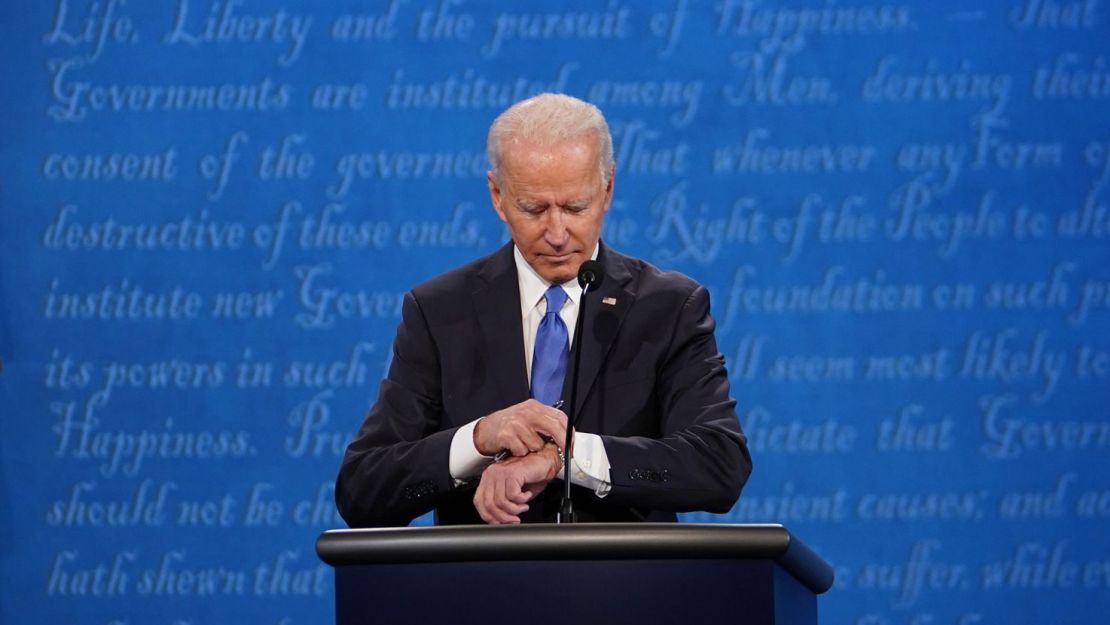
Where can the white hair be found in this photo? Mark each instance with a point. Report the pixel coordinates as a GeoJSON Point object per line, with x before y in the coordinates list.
{"type": "Point", "coordinates": [548, 119]}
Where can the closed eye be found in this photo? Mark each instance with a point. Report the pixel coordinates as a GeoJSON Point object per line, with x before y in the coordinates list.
{"type": "Point", "coordinates": [532, 208]}
{"type": "Point", "coordinates": [577, 206]}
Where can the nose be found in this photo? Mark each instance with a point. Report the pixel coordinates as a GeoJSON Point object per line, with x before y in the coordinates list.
{"type": "Point", "coordinates": [556, 234]}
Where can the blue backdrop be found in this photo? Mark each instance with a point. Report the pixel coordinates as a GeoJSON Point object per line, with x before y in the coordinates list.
{"type": "Point", "coordinates": [210, 210]}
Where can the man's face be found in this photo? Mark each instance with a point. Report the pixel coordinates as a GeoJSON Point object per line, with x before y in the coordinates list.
{"type": "Point", "coordinates": [553, 201]}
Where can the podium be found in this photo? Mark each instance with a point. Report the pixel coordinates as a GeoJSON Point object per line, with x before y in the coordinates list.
{"type": "Point", "coordinates": [614, 573]}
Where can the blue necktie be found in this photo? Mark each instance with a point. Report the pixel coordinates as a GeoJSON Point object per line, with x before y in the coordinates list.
{"type": "Point", "coordinates": [549, 359]}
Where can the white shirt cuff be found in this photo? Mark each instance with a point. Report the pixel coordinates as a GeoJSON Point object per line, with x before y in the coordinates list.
{"type": "Point", "coordinates": [590, 464]}
{"type": "Point", "coordinates": [589, 467]}
{"type": "Point", "coordinates": [465, 461]}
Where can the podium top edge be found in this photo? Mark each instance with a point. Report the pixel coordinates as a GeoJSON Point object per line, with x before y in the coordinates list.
{"type": "Point", "coordinates": [583, 541]}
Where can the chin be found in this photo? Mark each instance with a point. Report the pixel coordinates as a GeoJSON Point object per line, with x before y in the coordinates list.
{"type": "Point", "coordinates": [559, 271]}
{"type": "Point", "coordinates": [559, 275]}
{"type": "Point", "coordinates": [558, 278]}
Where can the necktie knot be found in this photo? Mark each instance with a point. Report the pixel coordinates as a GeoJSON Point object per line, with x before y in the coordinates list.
{"type": "Point", "coordinates": [555, 297]}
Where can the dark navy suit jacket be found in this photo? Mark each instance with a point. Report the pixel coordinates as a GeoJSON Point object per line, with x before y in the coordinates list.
{"type": "Point", "coordinates": [652, 384]}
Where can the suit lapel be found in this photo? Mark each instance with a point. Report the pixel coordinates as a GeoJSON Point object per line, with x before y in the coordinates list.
{"type": "Point", "coordinates": [604, 313]}
{"type": "Point", "coordinates": [497, 302]}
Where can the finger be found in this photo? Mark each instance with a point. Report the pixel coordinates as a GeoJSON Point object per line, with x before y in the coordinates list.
{"type": "Point", "coordinates": [486, 508]}
{"type": "Point", "coordinates": [503, 513]}
{"type": "Point", "coordinates": [506, 511]}
{"type": "Point", "coordinates": [510, 511]}
{"type": "Point", "coordinates": [529, 437]}
{"type": "Point", "coordinates": [548, 432]}
{"type": "Point", "coordinates": [489, 508]}
{"type": "Point", "coordinates": [498, 491]}
{"type": "Point", "coordinates": [559, 436]}
{"type": "Point", "coordinates": [505, 498]}
{"type": "Point", "coordinates": [518, 447]}
{"type": "Point", "coordinates": [480, 504]}
{"type": "Point", "coordinates": [533, 441]}
{"type": "Point", "coordinates": [535, 410]}
{"type": "Point", "coordinates": [508, 519]}
{"type": "Point", "coordinates": [555, 426]}
{"type": "Point", "coordinates": [556, 414]}
{"type": "Point", "coordinates": [512, 515]}
{"type": "Point", "coordinates": [537, 421]}
{"type": "Point", "coordinates": [515, 494]}
{"type": "Point", "coordinates": [489, 501]}
{"type": "Point", "coordinates": [531, 490]}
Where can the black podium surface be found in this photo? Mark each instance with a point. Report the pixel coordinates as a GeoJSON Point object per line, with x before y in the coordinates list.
{"type": "Point", "coordinates": [639, 573]}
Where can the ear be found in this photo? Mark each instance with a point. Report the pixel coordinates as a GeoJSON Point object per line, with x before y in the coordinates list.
{"type": "Point", "coordinates": [495, 195]}
{"type": "Point", "coordinates": [609, 186]}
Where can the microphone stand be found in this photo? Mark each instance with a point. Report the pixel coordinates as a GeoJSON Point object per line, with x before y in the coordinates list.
{"type": "Point", "coordinates": [566, 508]}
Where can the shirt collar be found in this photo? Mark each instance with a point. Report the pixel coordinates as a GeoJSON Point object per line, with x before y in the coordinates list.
{"type": "Point", "coordinates": [532, 286]}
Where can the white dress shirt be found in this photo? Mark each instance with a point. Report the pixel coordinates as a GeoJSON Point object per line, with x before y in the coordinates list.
{"type": "Point", "coordinates": [590, 463]}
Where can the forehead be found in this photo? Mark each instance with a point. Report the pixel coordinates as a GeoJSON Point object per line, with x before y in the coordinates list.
{"type": "Point", "coordinates": [569, 166]}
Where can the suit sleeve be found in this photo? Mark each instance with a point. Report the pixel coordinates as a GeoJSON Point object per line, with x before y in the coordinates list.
{"type": "Point", "coordinates": [701, 461]}
{"type": "Point", "coordinates": [396, 468]}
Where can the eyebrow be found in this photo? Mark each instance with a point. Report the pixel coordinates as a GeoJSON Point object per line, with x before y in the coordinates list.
{"type": "Point", "coordinates": [580, 204]}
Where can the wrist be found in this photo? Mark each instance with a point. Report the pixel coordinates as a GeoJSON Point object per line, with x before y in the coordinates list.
{"type": "Point", "coordinates": [556, 456]}
{"type": "Point", "coordinates": [477, 438]}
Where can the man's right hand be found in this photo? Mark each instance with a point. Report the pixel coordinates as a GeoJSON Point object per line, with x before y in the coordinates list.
{"type": "Point", "coordinates": [521, 429]}
{"type": "Point", "coordinates": [506, 487]}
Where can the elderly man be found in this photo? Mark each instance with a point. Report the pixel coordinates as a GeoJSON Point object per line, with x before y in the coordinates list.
{"type": "Point", "coordinates": [466, 421]}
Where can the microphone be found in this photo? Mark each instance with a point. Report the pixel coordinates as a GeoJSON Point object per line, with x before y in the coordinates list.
{"type": "Point", "coordinates": [590, 276]}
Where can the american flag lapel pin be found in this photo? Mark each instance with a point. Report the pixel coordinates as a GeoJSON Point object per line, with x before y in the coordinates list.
{"type": "Point", "coordinates": [612, 301]}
